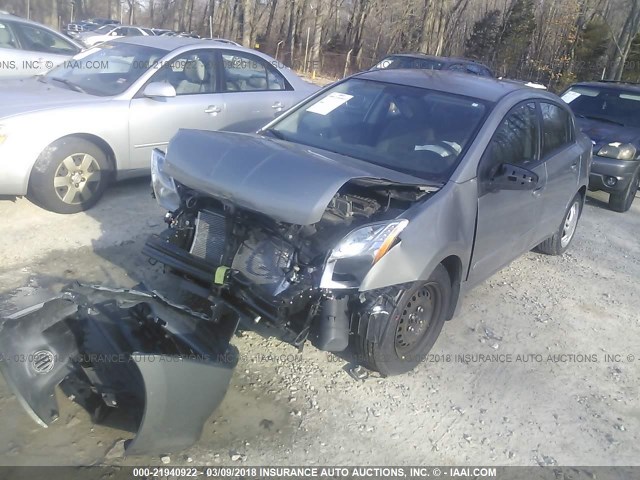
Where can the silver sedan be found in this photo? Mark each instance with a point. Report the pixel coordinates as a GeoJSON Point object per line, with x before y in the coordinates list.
{"type": "Point", "coordinates": [65, 135]}
{"type": "Point", "coordinates": [28, 48]}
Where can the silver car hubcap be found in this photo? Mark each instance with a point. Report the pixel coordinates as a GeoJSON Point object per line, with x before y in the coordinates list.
{"type": "Point", "coordinates": [77, 178]}
{"type": "Point", "coordinates": [570, 223]}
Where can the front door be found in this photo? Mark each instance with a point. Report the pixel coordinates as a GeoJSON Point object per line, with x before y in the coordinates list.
{"type": "Point", "coordinates": [198, 104]}
{"type": "Point", "coordinates": [508, 219]}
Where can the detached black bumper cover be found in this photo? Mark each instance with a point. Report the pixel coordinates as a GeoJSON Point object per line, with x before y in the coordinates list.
{"type": "Point", "coordinates": [163, 366]}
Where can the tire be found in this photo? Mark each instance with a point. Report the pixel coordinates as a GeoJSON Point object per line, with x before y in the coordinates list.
{"type": "Point", "coordinates": [69, 176]}
{"type": "Point", "coordinates": [560, 241]}
{"type": "Point", "coordinates": [393, 313]}
{"type": "Point", "coordinates": [621, 202]}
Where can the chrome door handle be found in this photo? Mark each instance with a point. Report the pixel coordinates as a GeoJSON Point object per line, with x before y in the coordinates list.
{"type": "Point", "coordinates": [537, 192]}
{"type": "Point", "coordinates": [214, 109]}
{"type": "Point", "coordinates": [277, 106]}
{"type": "Point", "coordinates": [574, 166]}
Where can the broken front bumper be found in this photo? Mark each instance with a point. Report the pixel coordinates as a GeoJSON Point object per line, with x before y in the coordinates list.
{"type": "Point", "coordinates": [157, 366]}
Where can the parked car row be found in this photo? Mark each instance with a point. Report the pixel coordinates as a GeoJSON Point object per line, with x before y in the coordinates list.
{"type": "Point", "coordinates": [607, 112]}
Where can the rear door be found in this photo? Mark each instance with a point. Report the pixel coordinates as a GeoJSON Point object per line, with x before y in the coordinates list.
{"type": "Point", "coordinates": [254, 91]}
{"type": "Point", "coordinates": [561, 153]}
{"type": "Point", "coordinates": [507, 220]}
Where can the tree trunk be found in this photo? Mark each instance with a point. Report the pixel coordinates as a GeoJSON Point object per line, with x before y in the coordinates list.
{"type": "Point", "coordinates": [317, 36]}
{"type": "Point", "coordinates": [272, 12]}
{"type": "Point", "coordinates": [247, 17]}
{"type": "Point", "coordinates": [628, 33]}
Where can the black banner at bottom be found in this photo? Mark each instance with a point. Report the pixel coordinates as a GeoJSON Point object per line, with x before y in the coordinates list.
{"type": "Point", "coordinates": [319, 472]}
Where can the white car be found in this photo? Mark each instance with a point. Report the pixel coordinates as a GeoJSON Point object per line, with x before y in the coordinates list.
{"type": "Point", "coordinates": [65, 135]}
{"type": "Point", "coordinates": [28, 48]}
{"type": "Point", "coordinates": [111, 32]}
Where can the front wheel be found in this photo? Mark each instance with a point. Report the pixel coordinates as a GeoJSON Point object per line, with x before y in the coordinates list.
{"type": "Point", "coordinates": [409, 321]}
{"type": "Point", "coordinates": [621, 202]}
{"type": "Point", "coordinates": [559, 242]}
{"type": "Point", "coordinates": [70, 176]}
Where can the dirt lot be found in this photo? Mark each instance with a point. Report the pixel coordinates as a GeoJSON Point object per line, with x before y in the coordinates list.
{"type": "Point", "coordinates": [555, 398]}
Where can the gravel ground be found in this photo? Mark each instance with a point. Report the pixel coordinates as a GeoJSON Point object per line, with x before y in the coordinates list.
{"type": "Point", "coordinates": [565, 391]}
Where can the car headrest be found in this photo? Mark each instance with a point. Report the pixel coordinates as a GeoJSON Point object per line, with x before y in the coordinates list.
{"type": "Point", "coordinates": [195, 71]}
{"type": "Point", "coordinates": [5, 36]}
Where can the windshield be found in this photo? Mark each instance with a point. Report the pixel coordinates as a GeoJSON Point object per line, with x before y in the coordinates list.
{"type": "Point", "coordinates": [413, 130]}
{"type": "Point", "coordinates": [408, 62]}
{"type": "Point", "coordinates": [611, 105]}
{"type": "Point", "coordinates": [106, 70]}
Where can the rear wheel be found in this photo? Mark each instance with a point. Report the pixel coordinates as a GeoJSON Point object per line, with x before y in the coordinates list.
{"type": "Point", "coordinates": [70, 176]}
{"type": "Point", "coordinates": [561, 240]}
{"type": "Point", "coordinates": [621, 202]}
{"type": "Point", "coordinates": [409, 321]}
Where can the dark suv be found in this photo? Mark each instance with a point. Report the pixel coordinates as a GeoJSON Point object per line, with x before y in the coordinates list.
{"type": "Point", "coordinates": [609, 113]}
{"type": "Point", "coordinates": [431, 62]}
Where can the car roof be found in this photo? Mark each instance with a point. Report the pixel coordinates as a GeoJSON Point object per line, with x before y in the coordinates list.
{"type": "Point", "coordinates": [175, 42]}
{"type": "Point", "coordinates": [435, 58]}
{"type": "Point", "coordinates": [483, 88]}
{"type": "Point", "coordinates": [628, 86]}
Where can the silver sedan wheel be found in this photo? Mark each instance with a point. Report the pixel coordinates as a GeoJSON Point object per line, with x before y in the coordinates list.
{"type": "Point", "coordinates": [77, 178]}
{"type": "Point", "coordinates": [570, 223]}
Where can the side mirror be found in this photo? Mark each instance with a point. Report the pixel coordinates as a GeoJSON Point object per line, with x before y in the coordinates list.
{"type": "Point", "coordinates": [513, 177]}
{"type": "Point", "coordinates": [159, 90]}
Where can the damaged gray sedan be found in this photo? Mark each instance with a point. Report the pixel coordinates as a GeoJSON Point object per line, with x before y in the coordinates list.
{"type": "Point", "coordinates": [355, 221]}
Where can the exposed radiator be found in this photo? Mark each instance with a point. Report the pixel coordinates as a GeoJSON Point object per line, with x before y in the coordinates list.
{"type": "Point", "coordinates": [210, 237]}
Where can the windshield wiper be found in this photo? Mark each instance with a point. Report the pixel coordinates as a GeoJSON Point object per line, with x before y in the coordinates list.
{"type": "Point", "coordinates": [602, 119]}
{"type": "Point", "coordinates": [276, 133]}
{"type": "Point", "coordinates": [69, 84]}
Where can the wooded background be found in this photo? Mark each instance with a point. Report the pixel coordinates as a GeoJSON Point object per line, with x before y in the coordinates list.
{"type": "Point", "coordinates": [554, 42]}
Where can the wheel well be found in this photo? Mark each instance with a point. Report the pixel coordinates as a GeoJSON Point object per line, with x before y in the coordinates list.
{"type": "Point", "coordinates": [583, 192]}
{"type": "Point", "coordinates": [453, 265]}
{"type": "Point", "coordinates": [98, 142]}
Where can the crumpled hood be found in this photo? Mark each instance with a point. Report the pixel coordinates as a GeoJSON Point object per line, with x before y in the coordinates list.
{"type": "Point", "coordinates": [289, 182]}
{"type": "Point", "coordinates": [30, 95]}
{"type": "Point", "coordinates": [603, 133]}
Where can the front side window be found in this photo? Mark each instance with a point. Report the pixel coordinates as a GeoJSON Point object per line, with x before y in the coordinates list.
{"type": "Point", "coordinates": [515, 141]}
{"type": "Point", "coordinates": [108, 69]}
{"type": "Point", "coordinates": [413, 130]}
{"type": "Point", "coordinates": [556, 128]}
{"type": "Point", "coordinates": [608, 105]}
{"type": "Point", "coordinates": [7, 39]}
{"type": "Point", "coordinates": [40, 40]}
{"type": "Point", "coordinates": [190, 73]}
{"type": "Point", "coordinates": [244, 72]}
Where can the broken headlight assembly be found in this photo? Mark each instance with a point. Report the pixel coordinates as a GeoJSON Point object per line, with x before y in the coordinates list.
{"type": "Point", "coordinates": [619, 151]}
{"type": "Point", "coordinates": [355, 254]}
{"type": "Point", "coordinates": [164, 187]}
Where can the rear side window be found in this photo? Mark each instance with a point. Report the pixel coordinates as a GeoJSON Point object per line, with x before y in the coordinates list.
{"type": "Point", "coordinates": [557, 128]}
{"type": "Point", "coordinates": [245, 72]}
